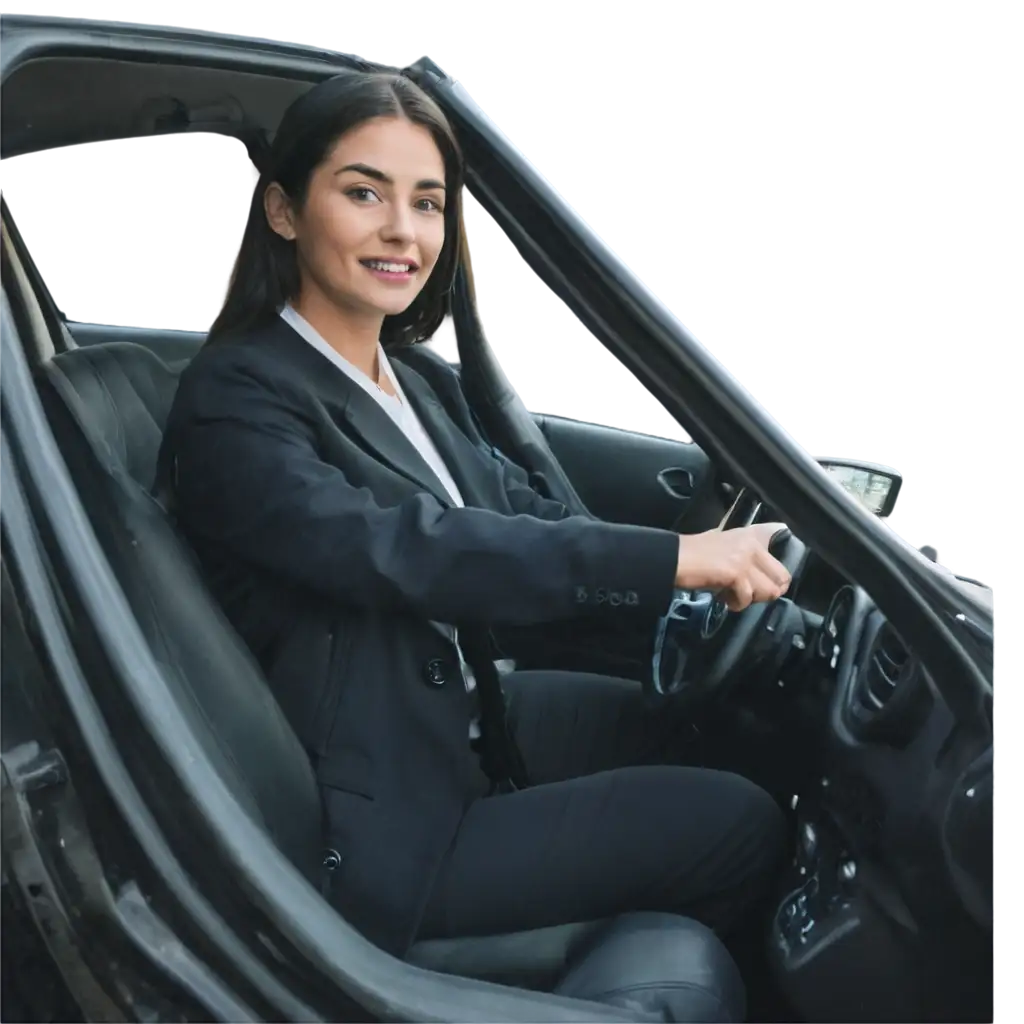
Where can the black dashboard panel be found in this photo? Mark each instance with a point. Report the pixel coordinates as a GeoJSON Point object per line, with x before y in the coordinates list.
{"type": "Point", "coordinates": [818, 585]}
{"type": "Point", "coordinates": [889, 901]}
{"type": "Point", "coordinates": [888, 909]}
{"type": "Point", "coordinates": [897, 766]}
{"type": "Point", "coordinates": [967, 838]}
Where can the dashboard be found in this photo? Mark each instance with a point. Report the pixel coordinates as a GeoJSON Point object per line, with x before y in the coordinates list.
{"type": "Point", "coordinates": [906, 787]}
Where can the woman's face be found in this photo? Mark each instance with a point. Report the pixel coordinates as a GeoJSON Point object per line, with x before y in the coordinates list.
{"type": "Point", "coordinates": [372, 226]}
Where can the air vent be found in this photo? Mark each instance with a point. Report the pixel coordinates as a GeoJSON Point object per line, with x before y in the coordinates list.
{"type": "Point", "coordinates": [890, 696]}
{"type": "Point", "coordinates": [888, 664]}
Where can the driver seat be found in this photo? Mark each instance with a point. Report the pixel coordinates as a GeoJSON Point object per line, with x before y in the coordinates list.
{"type": "Point", "coordinates": [663, 966]}
{"type": "Point", "coordinates": [107, 406]}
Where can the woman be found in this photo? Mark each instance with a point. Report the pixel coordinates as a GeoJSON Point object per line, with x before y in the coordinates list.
{"type": "Point", "coordinates": [362, 537]}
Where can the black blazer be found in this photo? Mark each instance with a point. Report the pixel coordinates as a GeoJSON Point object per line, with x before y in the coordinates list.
{"type": "Point", "coordinates": [331, 544]}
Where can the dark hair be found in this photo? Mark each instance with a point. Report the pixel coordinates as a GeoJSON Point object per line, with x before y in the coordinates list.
{"type": "Point", "coordinates": [266, 272]}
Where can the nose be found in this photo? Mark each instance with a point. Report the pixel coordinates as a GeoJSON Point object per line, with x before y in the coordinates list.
{"type": "Point", "coordinates": [398, 227]}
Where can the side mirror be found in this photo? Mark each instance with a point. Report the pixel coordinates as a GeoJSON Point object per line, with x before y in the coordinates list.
{"type": "Point", "coordinates": [876, 487]}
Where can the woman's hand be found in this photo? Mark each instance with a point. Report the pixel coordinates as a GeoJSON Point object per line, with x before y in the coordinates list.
{"type": "Point", "coordinates": [735, 562]}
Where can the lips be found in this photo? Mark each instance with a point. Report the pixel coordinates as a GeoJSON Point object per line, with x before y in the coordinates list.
{"type": "Point", "coordinates": [397, 268]}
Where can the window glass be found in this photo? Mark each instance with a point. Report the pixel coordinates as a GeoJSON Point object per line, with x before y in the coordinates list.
{"type": "Point", "coordinates": [135, 232]}
{"type": "Point", "coordinates": [555, 364]}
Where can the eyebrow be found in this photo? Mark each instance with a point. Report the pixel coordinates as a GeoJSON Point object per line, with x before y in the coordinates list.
{"type": "Point", "coordinates": [372, 172]}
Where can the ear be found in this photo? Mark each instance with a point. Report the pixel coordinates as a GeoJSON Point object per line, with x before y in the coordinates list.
{"type": "Point", "coordinates": [278, 209]}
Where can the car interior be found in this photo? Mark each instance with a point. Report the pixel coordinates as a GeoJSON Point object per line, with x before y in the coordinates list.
{"type": "Point", "coordinates": [885, 909]}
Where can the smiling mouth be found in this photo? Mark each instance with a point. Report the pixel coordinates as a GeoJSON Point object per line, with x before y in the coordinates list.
{"type": "Point", "coordinates": [400, 269]}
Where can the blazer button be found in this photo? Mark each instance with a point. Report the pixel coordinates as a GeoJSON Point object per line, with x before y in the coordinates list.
{"type": "Point", "coordinates": [436, 672]}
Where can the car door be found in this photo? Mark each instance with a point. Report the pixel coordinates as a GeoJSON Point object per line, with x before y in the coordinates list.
{"type": "Point", "coordinates": [625, 476]}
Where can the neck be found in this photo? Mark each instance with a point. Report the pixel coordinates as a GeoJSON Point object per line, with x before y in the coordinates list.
{"type": "Point", "coordinates": [354, 335]}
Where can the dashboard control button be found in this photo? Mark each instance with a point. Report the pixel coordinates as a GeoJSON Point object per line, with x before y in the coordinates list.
{"type": "Point", "coordinates": [808, 840]}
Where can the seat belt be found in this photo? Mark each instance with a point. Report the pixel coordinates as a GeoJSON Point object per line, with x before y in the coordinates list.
{"type": "Point", "coordinates": [500, 757]}
{"type": "Point", "coordinates": [495, 404]}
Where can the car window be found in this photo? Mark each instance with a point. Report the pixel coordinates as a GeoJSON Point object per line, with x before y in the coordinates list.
{"type": "Point", "coordinates": [134, 232]}
{"type": "Point", "coordinates": [555, 364]}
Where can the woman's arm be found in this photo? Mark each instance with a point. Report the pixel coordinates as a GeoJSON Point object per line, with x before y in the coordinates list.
{"type": "Point", "coordinates": [248, 478]}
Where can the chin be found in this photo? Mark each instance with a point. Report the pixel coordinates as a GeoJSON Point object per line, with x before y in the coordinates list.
{"type": "Point", "coordinates": [372, 305]}
{"type": "Point", "coordinates": [392, 305]}
{"type": "Point", "coordinates": [393, 308]}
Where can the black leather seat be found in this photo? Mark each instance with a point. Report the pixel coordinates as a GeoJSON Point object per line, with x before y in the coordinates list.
{"type": "Point", "coordinates": [108, 405]}
{"type": "Point", "coordinates": [124, 392]}
{"type": "Point", "coordinates": [661, 965]}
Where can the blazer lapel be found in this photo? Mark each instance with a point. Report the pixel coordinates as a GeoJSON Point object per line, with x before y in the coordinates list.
{"type": "Point", "coordinates": [376, 430]}
{"type": "Point", "coordinates": [456, 450]}
{"type": "Point", "coordinates": [380, 433]}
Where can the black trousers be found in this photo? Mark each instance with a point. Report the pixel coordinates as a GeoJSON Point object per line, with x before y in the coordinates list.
{"type": "Point", "coordinates": [612, 824]}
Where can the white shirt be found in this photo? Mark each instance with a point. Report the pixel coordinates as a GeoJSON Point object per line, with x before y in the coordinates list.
{"type": "Point", "coordinates": [405, 418]}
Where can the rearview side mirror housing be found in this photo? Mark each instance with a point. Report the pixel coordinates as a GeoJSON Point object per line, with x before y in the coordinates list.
{"type": "Point", "coordinates": [876, 487]}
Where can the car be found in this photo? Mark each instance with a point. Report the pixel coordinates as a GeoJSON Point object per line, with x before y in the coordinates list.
{"type": "Point", "coordinates": [160, 823]}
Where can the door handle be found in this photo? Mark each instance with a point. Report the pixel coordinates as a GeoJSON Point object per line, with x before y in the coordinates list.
{"type": "Point", "coordinates": [677, 483]}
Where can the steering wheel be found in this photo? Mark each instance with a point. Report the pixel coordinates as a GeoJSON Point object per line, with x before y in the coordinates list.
{"type": "Point", "coordinates": [701, 647]}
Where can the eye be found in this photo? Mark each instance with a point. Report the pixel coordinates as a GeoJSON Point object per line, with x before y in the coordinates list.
{"type": "Point", "coordinates": [428, 205]}
{"type": "Point", "coordinates": [363, 194]}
